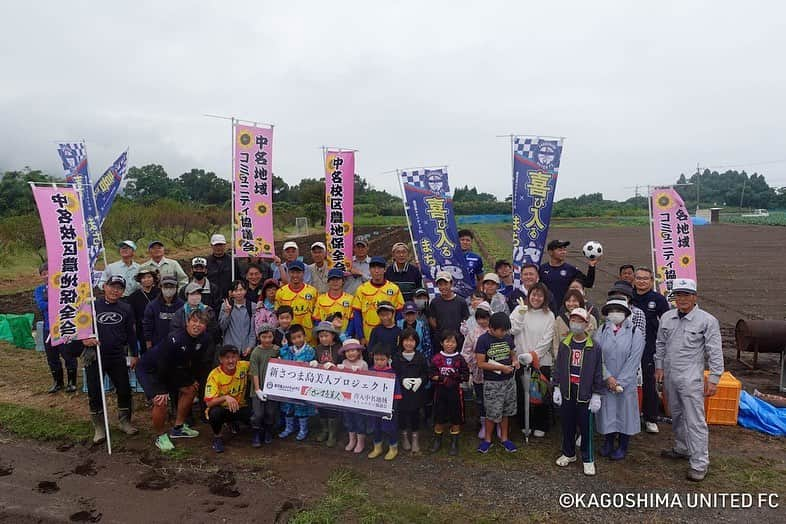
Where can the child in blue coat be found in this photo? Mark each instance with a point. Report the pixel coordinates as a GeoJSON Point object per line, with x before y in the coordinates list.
{"type": "Point", "coordinates": [297, 350]}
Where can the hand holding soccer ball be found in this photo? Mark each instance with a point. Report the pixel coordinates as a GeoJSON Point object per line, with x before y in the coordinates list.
{"type": "Point", "coordinates": [593, 251]}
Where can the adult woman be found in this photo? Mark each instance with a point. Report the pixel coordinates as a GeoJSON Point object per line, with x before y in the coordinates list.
{"type": "Point", "coordinates": [139, 300]}
{"type": "Point", "coordinates": [235, 320]}
{"type": "Point", "coordinates": [573, 299]}
{"type": "Point", "coordinates": [266, 305]}
{"type": "Point", "coordinates": [532, 327]}
{"type": "Point", "coordinates": [622, 345]}
{"type": "Point", "coordinates": [592, 309]}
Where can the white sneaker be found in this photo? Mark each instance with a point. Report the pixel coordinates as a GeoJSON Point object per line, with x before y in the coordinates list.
{"type": "Point", "coordinates": [538, 433]}
{"type": "Point", "coordinates": [563, 461]}
{"type": "Point", "coordinates": [578, 441]}
{"type": "Point", "coordinates": [589, 468]}
{"type": "Point", "coordinates": [651, 427]}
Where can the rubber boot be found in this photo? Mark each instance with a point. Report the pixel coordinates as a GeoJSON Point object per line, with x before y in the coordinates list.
{"type": "Point", "coordinates": [482, 432]}
{"type": "Point", "coordinates": [405, 445]}
{"type": "Point", "coordinates": [57, 381]}
{"type": "Point", "coordinates": [415, 442]}
{"type": "Point", "coordinates": [98, 425]}
{"type": "Point", "coordinates": [323, 430]}
{"type": "Point", "coordinates": [608, 445]}
{"type": "Point", "coordinates": [622, 450]}
{"type": "Point", "coordinates": [332, 424]}
{"type": "Point", "coordinates": [289, 428]}
{"type": "Point", "coordinates": [376, 451]}
{"type": "Point", "coordinates": [454, 448]}
{"type": "Point", "coordinates": [302, 433]}
{"type": "Point", "coordinates": [256, 438]}
{"type": "Point", "coordinates": [361, 445]}
{"type": "Point", "coordinates": [71, 387]}
{"type": "Point", "coordinates": [436, 444]}
{"type": "Point", "coordinates": [268, 434]}
{"type": "Point", "coordinates": [124, 418]}
{"type": "Point", "coordinates": [392, 452]}
{"type": "Point", "coordinates": [353, 441]}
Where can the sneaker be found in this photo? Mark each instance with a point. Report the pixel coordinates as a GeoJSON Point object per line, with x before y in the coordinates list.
{"type": "Point", "coordinates": [589, 469]}
{"type": "Point", "coordinates": [563, 461]}
{"type": "Point", "coordinates": [651, 427]}
{"type": "Point", "coordinates": [163, 443]}
{"type": "Point", "coordinates": [578, 441]}
{"type": "Point", "coordinates": [218, 444]}
{"type": "Point", "coordinates": [509, 446]}
{"type": "Point", "coordinates": [484, 446]}
{"type": "Point", "coordinates": [538, 433]}
{"type": "Point", "coordinates": [673, 454]}
{"type": "Point", "coordinates": [183, 432]}
{"type": "Point", "coordinates": [696, 475]}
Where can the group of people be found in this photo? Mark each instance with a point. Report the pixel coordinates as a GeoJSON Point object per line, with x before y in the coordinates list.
{"type": "Point", "coordinates": [207, 338]}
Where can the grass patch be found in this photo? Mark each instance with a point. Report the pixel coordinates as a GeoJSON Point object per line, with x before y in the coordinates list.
{"type": "Point", "coordinates": [748, 475]}
{"type": "Point", "coordinates": [379, 220]}
{"type": "Point", "coordinates": [38, 424]}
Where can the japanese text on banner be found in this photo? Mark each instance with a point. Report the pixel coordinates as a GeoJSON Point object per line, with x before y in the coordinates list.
{"type": "Point", "coordinates": [672, 233]}
{"type": "Point", "coordinates": [253, 191]}
{"type": "Point", "coordinates": [339, 207]}
{"type": "Point", "coordinates": [106, 187]}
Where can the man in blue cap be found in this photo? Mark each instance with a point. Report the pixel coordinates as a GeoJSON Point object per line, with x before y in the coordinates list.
{"type": "Point", "coordinates": [165, 266]}
{"type": "Point", "coordinates": [125, 267]}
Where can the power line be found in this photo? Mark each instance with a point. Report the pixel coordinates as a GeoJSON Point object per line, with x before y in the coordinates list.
{"type": "Point", "coordinates": [748, 164]}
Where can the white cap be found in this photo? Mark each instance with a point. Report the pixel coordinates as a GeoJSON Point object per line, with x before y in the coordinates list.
{"type": "Point", "coordinates": [484, 306]}
{"type": "Point", "coordinates": [199, 261]}
{"type": "Point", "coordinates": [580, 312]}
{"type": "Point", "coordinates": [289, 244]}
{"type": "Point", "coordinates": [684, 285]}
{"type": "Point", "coordinates": [443, 275]}
{"type": "Point", "coordinates": [493, 277]}
{"type": "Point", "coordinates": [318, 244]}
{"type": "Point", "coordinates": [217, 239]}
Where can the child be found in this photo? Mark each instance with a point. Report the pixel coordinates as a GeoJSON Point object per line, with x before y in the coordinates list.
{"type": "Point", "coordinates": [387, 332]}
{"type": "Point", "coordinates": [337, 319]}
{"type": "Point", "coordinates": [481, 326]}
{"type": "Point", "coordinates": [265, 306]}
{"type": "Point", "coordinates": [412, 372]}
{"type": "Point", "coordinates": [496, 356]}
{"type": "Point", "coordinates": [264, 417]}
{"type": "Point", "coordinates": [447, 371]}
{"type": "Point", "coordinates": [352, 351]}
{"type": "Point", "coordinates": [297, 350]}
{"type": "Point", "coordinates": [384, 426]}
{"type": "Point", "coordinates": [326, 356]}
{"type": "Point", "coordinates": [412, 321]}
{"type": "Point", "coordinates": [578, 372]}
{"type": "Point", "coordinates": [285, 314]}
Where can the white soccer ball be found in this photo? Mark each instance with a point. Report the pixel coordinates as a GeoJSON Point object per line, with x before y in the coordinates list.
{"type": "Point", "coordinates": [592, 250]}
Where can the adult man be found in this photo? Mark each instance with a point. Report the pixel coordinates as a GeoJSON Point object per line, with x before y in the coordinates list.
{"type": "Point", "coordinates": [686, 336]}
{"type": "Point", "coordinates": [402, 273]}
{"type": "Point", "coordinates": [504, 271]}
{"type": "Point", "coordinates": [159, 313]}
{"type": "Point", "coordinates": [359, 271]}
{"type": "Point", "coordinates": [627, 273]}
{"type": "Point", "coordinates": [210, 291]}
{"type": "Point", "coordinates": [474, 262]}
{"type": "Point", "coordinates": [225, 394]}
{"type": "Point", "coordinates": [319, 268]}
{"type": "Point", "coordinates": [115, 320]}
{"type": "Point", "coordinates": [125, 267]}
{"type": "Point", "coordinates": [173, 366]}
{"type": "Point", "coordinates": [447, 310]}
{"type": "Point", "coordinates": [165, 266]}
{"type": "Point", "coordinates": [219, 265]}
{"type": "Point", "coordinates": [512, 294]}
{"type": "Point", "coordinates": [369, 295]}
{"type": "Point", "coordinates": [281, 265]}
{"type": "Point", "coordinates": [653, 304]}
{"type": "Point", "coordinates": [335, 300]}
{"type": "Point", "coordinates": [493, 296]}
{"type": "Point", "coordinates": [301, 297]}
{"type": "Point", "coordinates": [557, 274]}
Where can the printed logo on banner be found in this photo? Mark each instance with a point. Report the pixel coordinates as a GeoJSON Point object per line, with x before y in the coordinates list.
{"type": "Point", "coordinates": [106, 187]}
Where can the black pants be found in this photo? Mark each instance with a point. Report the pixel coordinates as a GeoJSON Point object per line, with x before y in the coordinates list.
{"type": "Point", "coordinates": [265, 413]}
{"type": "Point", "coordinates": [573, 412]}
{"type": "Point", "coordinates": [118, 374]}
{"type": "Point", "coordinates": [650, 391]}
{"type": "Point", "coordinates": [409, 420]}
{"type": "Point", "coordinates": [218, 415]}
{"type": "Point", "coordinates": [68, 352]}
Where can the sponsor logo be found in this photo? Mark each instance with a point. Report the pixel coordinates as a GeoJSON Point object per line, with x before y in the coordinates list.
{"type": "Point", "coordinates": [109, 318]}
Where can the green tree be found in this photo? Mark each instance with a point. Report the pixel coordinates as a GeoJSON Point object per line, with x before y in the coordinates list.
{"type": "Point", "coordinates": [204, 187]}
{"type": "Point", "coordinates": [15, 193]}
{"type": "Point", "coordinates": [149, 183]}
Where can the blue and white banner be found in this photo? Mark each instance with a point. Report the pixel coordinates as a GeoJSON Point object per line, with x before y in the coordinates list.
{"type": "Point", "coordinates": [535, 168]}
{"type": "Point", "coordinates": [432, 224]}
{"type": "Point", "coordinates": [74, 157]}
{"type": "Point", "coordinates": [106, 187]}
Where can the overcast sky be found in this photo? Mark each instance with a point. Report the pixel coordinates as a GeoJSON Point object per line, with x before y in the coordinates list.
{"type": "Point", "coordinates": [642, 91]}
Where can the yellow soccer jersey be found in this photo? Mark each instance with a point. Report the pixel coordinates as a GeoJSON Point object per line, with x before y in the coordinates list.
{"type": "Point", "coordinates": [302, 303]}
{"type": "Point", "coordinates": [327, 305]}
{"type": "Point", "coordinates": [219, 383]}
{"type": "Point", "coordinates": [368, 296]}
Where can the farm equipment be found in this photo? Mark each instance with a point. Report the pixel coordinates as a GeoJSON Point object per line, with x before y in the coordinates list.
{"type": "Point", "coordinates": [762, 336]}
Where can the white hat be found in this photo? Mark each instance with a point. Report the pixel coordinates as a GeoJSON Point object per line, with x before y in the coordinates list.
{"type": "Point", "coordinates": [318, 244]}
{"type": "Point", "coordinates": [443, 275]}
{"type": "Point", "coordinates": [289, 244]}
{"type": "Point", "coordinates": [580, 312]}
{"type": "Point", "coordinates": [217, 239]}
{"type": "Point", "coordinates": [684, 285]}
{"type": "Point", "coordinates": [484, 306]}
{"type": "Point", "coordinates": [493, 277]}
{"type": "Point", "coordinates": [199, 261]}
{"type": "Point", "coordinates": [615, 302]}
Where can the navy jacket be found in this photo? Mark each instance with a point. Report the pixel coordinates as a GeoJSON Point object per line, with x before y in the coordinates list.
{"type": "Point", "coordinates": [653, 305]}
{"type": "Point", "coordinates": [177, 350]}
{"type": "Point", "coordinates": [590, 375]}
{"type": "Point", "coordinates": [116, 329]}
{"type": "Point", "coordinates": [158, 318]}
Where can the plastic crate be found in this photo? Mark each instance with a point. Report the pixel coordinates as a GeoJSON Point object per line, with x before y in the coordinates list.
{"type": "Point", "coordinates": [723, 407]}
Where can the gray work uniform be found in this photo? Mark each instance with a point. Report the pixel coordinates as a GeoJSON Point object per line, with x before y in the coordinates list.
{"type": "Point", "coordinates": [680, 350]}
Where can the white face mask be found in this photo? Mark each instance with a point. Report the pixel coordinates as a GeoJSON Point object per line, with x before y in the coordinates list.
{"type": "Point", "coordinates": [617, 317]}
{"type": "Point", "coordinates": [168, 292]}
{"type": "Point", "coordinates": [420, 304]}
{"type": "Point", "coordinates": [577, 328]}
{"type": "Point", "coordinates": [408, 356]}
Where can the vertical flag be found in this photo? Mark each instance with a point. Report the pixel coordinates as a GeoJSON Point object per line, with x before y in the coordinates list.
{"type": "Point", "coordinates": [106, 187]}
{"type": "Point", "coordinates": [252, 189]}
{"type": "Point", "coordinates": [339, 206]}
{"type": "Point", "coordinates": [74, 158]}
{"type": "Point", "coordinates": [69, 286]}
{"type": "Point", "coordinates": [535, 168]}
{"type": "Point", "coordinates": [672, 234]}
{"type": "Point", "coordinates": [432, 225]}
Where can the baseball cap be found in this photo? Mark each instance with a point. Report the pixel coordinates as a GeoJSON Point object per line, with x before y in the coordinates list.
{"type": "Point", "coordinates": [116, 280]}
{"type": "Point", "coordinates": [360, 241]}
{"type": "Point", "coordinates": [288, 244]}
{"type": "Point", "coordinates": [580, 312]}
{"type": "Point", "coordinates": [193, 287]}
{"type": "Point", "coordinates": [127, 243]}
{"type": "Point", "coordinates": [554, 244]}
{"type": "Point", "coordinates": [683, 285]}
{"type": "Point", "coordinates": [154, 242]}
{"type": "Point", "coordinates": [297, 265]}
{"type": "Point", "coordinates": [420, 291]}
{"type": "Point", "coordinates": [335, 273]}
{"type": "Point", "coordinates": [198, 261]}
{"type": "Point", "coordinates": [443, 275]}
{"type": "Point", "coordinates": [377, 261]}
{"type": "Point", "coordinates": [385, 305]}
{"type": "Point", "coordinates": [217, 239]}
{"type": "Point", "coordinates": [227, 349]}
{"type": "Point", "coordinates": [491, 277]}
{"type": "Point", "coordinates": [318, 245]}
{"type": "Point", "coordinates": [168, 280]}
{"type": "Point", "coordinates": [410, 307]}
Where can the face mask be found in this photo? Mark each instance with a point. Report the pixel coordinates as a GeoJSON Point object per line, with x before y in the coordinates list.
{"type": "Point", "coordinates": [421, 304]}
{"type": "Point", "coordinates": [408, 356]}
{"type": "Point", "coordinates": [168, 292]}
{"type": "Point", "coordinates": [194, 299]}
{"type": "Point", "coordinates": [198, 275]}
{"type": "Point", "coordinates": [617, 317]}
{"type": "Point", "coordinates": [577, 328]}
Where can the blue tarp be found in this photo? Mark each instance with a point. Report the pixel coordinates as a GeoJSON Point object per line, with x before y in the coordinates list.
{"type": "Point", "coordinates": [762, 416]}
{"type": "Point", "coordinates": [699, 221]}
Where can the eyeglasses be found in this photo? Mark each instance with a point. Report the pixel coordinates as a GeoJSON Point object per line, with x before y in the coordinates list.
{"type": "Point", "coordinates": [643, 278]}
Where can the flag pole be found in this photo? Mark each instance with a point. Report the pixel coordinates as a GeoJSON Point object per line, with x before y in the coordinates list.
{"type": "Point", "coordinates": [232, 218]}
{"type": "Point", "coordinates": [406, 214]}
{"type": "Point", "coordinates": [327, 189]}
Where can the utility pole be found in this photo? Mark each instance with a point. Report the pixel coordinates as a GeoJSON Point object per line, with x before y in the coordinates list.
{"type": "Point", "coordinates": [697, 187]}
{"type": "Point", "coordinates": [743, 191]}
